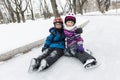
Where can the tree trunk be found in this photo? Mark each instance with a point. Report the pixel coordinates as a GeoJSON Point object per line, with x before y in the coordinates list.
{"type": "Point", "coordinates": [18, 17]}
{"type": "Point", "coordinates": [23, 16]}
{"type": "Point", "coordinates": [80, 7]}
{"type": "Point", "coordinates": [107, 3]}
{"type": "Point", "coordinates": [32, 14]}
{"type": "Point", "coordinates": [12, 16]}
{"type": "Point", "coordinates": [54, 7]}
{"type": "Point", "coordinates": [81, 4]}
{"type": "Point", "coordinates": [81, 10]}
{"type": "Point", "coordinates": [10, 10]}
{"type": "Point", "coordinates": [74, 6]}
{"type": "Point", "coordinates": [31, 10]}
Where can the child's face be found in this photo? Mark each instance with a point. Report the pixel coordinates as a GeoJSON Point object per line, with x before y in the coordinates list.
{"type": "Point", "coordinates": [58, 25]}
{"type": "Point", "coordinates": [69, 23]}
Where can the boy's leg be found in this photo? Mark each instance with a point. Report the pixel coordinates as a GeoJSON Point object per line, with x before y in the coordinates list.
{"type": "Point", "coordinates": [46, 52]}
{"type": "Point", "coordinates": [51, 58]}
{"type": "Point", "coordinates": [36, 62]}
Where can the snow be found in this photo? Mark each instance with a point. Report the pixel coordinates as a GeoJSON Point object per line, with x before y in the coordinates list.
{"type": "Point", "coordinates": [98, 13]}
{"type": "Point", "coordinates": [16, 35]}
{"type": "Point", "coordinates": [101, 35]}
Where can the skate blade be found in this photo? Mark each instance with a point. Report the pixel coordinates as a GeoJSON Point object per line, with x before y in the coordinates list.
{"type": "Point", "coordinates": [43, 65]}
{"type": "Point", "coordinates": [30, 69]}
{"type": "Point", "coordinates": [92, 67]}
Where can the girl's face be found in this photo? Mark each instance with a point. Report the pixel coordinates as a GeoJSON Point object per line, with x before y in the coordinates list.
{"type": "Point", "coordinates": [69, 23]}
{"type": "Point", "coordinates": [58, 25]}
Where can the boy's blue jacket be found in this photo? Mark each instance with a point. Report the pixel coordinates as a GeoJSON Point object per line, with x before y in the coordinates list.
{"type": "Point", "coordinates": [56, 39]}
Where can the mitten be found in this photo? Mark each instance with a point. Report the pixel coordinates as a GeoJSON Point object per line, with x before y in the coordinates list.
{"type": "Point", "coordinates": [43, 49]}
{"type": "Point", "coordinates": [80, 48]}
{"type": "Point", "coordinates": [79, 30]}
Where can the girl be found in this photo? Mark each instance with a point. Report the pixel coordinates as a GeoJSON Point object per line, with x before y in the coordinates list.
{"type": "Point", "coordinates": [74, 43]}
{"type": "Point", "coordinates": [53, 47]}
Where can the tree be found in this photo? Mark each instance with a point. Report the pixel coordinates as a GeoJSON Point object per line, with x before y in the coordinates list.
{"type": "Point", "coordinates": [103, 5]}
{"type": "Point", "coordinates": [70, 6]}
{"type": "Point", "coordinates": [10, 10]}
{"type": "Point", "coordinates": [81, 4]}
{"type": "Point", "coordinates": [1, 17]}
{"type": "Point", "coordinates": [31, 9]}
{"type": "Point", "coordinates": [59, 2]}
{"type": "Point", "coordinates": [41, 7]}
{"type": "Point", "coordinates": [54, 7]}
{"type": "Point", "coordinates": [18, 9]}
{"type": "Point", "coordinates": [107, 4]}
{"type": "Point", "coordinates": [46, 10]}
{"type": "Point", "coordinates": [74, 6]}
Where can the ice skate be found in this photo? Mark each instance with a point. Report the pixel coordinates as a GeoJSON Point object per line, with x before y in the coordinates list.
{"type": "Point", "coordinates": [34, 65]}
{"type": "Point", "coordinates": [43, 65]}
{"type": "Point", "coordinates": [89, 64]}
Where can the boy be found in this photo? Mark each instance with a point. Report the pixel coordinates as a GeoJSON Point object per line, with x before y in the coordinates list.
{"type": "Point", "coordinates": [53, 48]}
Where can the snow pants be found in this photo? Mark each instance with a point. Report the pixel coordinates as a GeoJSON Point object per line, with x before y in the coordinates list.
{"type": "Point", "coordinates": [51, 55]}
{"type": "Point", "coordinates": [82, 56]}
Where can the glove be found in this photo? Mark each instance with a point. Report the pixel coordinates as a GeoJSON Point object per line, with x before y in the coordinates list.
{"type": "Point", "coordinates": [43, 49]}
{"type": "Point", "coordinates": [79, 30]}
{"type": "Point", "coordinates": [80, 48]}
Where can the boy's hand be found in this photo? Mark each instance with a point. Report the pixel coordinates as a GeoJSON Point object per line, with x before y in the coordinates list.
{"type": "Point", "coordinates": [43, 49]}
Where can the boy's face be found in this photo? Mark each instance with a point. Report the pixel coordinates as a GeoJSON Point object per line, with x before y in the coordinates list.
{"type": "Point", "coordinates": [58, 25]}
{"type": "Point", "coordinates": [69, 23]}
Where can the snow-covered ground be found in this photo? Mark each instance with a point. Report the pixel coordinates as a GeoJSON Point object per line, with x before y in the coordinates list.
{"type": "Point", "coordinates": [101, 35]}
{"type": "Point", "coordinates": [15, 35]}
{"type": "Point", "coordinates": [110, 12]}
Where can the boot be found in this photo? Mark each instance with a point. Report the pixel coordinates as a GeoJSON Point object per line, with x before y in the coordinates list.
{"type": "Point", "coordinates": [90, 63]}
{"type": "Point", "coordinates": [43, 65]}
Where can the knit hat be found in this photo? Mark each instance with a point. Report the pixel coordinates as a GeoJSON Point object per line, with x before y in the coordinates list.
{"type": "Point", "coordinates": [70, 17]}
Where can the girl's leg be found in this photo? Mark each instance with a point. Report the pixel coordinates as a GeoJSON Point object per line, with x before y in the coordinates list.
{"type": "Point", "coordinates": [84, 56]}
{"type": "Point", "coordinates": [71, 51]}
{"type": "Point", "coordinates": [88, 60]}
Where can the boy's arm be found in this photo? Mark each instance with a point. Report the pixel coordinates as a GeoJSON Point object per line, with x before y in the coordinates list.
{"type": "Point", "coordinates": [48, 42]}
